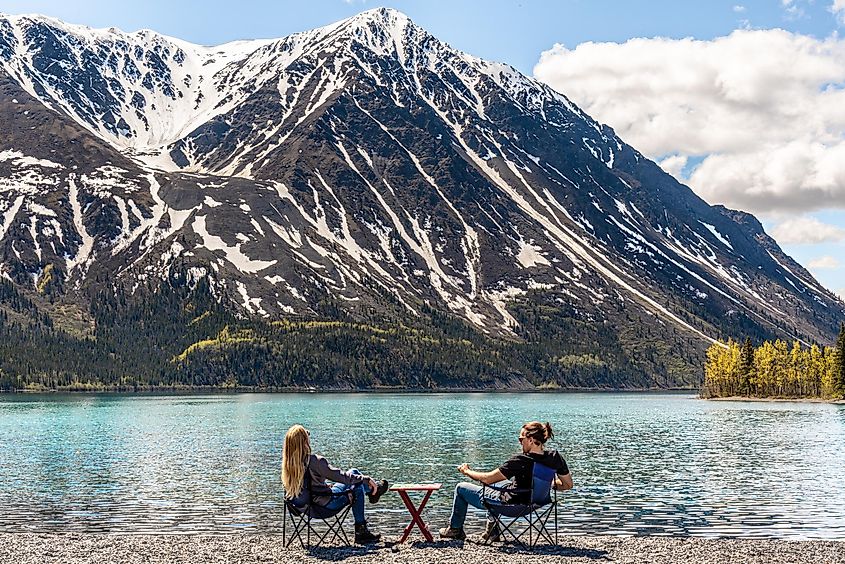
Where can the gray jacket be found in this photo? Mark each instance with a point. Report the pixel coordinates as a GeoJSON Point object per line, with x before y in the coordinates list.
{"type": "Point", "coordinates": [318, 470]}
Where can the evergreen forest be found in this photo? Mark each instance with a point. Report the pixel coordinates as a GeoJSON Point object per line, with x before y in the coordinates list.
{"type": "Point", "coordinates": [180, 334]}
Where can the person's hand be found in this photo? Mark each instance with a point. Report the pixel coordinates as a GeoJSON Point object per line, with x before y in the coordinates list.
{"type": "Point", "coordinates": [373, 486]}
{"type": "Point", "coordinates": [463, 468]}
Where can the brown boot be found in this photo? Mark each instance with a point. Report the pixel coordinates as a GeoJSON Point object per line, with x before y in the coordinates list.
{"type": "Point", "coordinates": [450, 533]}
{"type": "Point", "coordinates": [492, 532]}
{"type": "Point", "coordinates": [364, 535]}
{"type": "Point", "coordinates": [380, 490]}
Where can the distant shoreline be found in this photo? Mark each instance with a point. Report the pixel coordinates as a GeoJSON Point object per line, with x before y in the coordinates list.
{"type": "Point", "coordinates": [769, 400]}
{"type": "Point", "coordinates": [305, 390]}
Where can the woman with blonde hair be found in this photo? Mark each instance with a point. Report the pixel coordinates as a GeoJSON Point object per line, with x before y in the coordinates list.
{"type": "Point", "coordinates": [304, 476]}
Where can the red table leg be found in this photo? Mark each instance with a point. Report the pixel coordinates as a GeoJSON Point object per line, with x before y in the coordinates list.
{"type": "Point", "coordinates": [416, 516]}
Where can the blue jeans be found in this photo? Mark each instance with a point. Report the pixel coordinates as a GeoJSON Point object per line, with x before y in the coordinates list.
{"type": "Point", "coordinates": [357, 497]}
{"type": "Point", "coordinates": [467, 494]}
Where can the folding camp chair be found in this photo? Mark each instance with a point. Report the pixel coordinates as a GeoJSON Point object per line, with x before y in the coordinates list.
{"type": "Point", "coordinates": [302, 517]}
{"type": "Point", "coordinates": [542, 506]}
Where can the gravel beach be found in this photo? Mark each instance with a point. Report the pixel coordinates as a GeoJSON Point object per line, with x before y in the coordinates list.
{"type": "Point", "coordinates": [26, 548]}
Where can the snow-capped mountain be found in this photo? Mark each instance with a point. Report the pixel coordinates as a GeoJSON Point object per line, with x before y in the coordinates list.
{"type": "Point", "coordinates": [368, 163]}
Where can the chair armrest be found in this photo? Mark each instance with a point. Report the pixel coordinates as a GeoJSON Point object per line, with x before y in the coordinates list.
{"type": "Point", "coordinates": [501, 489]}
{"type": "Point", "coordinates": [331, 494]}
{"type": "Point", "coordinates": [504, 488]}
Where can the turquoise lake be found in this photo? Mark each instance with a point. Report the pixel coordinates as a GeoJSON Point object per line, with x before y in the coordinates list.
{"type": "Point", "coordinates": [642, 463]}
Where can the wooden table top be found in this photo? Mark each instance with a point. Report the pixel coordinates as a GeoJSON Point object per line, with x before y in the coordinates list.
{"type": "Point", "coordinates": [415, 487]}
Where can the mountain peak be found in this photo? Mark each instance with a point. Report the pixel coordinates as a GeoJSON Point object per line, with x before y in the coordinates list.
{"type": "Point", "coordinates": [382, 14]}
{"type": "Point", "coordinates": [386, 27]}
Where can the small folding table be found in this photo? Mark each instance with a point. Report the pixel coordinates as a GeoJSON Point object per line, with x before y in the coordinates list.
{"type": "Point", "coordinates": [416, 512]}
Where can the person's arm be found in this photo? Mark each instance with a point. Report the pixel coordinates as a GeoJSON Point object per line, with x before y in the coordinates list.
{"type": "Point", "coordinates": [563, 482]}
{"type": "Point", "coordinates": [492, 477]}
{"type": "Point", "coordinates": [328, 472]}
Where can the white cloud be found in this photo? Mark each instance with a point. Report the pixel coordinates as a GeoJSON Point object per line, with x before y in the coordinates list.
{"type": "Point", "coordinates": [793, 9]}
{"type": "Point", "coordinates": [738, 8]}
{"type": "Point", "coordinates": [674, 165]}
{"type": "Point", "coordinates": [804, 230]}
{"type": "Point", "coordinates": [841, 293]}
{"type": "Point", "coordinates": [764, 108]}
{"type": "Point", "coordinates": [826, 261]}
{"type": "Point", "coordinates": [838, 10]}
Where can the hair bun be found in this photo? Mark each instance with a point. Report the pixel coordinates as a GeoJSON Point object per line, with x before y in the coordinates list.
{"type": "Point", "coordinates": [549, 433]}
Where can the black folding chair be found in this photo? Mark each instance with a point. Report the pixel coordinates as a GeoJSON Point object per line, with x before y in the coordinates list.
{"type": "Point", "coordinates": [302, 519]}
{"type": "Point", "coordinates": [543, 505]}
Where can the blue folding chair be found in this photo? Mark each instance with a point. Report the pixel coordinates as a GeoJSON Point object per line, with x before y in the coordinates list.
{"type": "Point", "coordinates": [302, 512]}
{"type": "Point", "coordinates": [542, 506]}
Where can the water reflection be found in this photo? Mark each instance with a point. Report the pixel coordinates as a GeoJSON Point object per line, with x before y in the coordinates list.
{"type": "Point", "coordinates": [643, 463]}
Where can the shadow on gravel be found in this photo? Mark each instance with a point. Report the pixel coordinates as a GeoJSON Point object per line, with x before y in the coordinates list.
{"type": "Point", "coordinates": [569, 552]}
{"type": "Point", "coordinates": [335, 554]}
{"type": "Point", "coordinates": [338, 553]}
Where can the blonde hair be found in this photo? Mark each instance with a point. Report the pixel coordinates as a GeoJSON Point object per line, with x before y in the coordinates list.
{"type": "Point", "coordinates": [296, 451]}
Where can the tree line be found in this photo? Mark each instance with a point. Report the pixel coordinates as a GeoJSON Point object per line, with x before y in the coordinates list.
{"type": "Point", "coordinates": [775, 369]}
{"type": "Point", "coordinates": [172, 334]}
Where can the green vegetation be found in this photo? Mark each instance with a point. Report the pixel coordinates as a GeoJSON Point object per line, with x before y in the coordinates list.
{"type": "Point", "coordinates": [775, 370]}
{"type": "Point", "coordinates": [177, 334]}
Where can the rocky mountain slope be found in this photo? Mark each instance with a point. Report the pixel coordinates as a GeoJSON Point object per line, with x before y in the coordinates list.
{"type": "Point", "coordinates": [366, 170]}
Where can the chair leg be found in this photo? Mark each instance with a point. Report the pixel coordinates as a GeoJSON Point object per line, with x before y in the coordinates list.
{"type": "Point", "coordinates": [342, 529]}
{"type": "Point", "coordinates": [540, 524]}
{"type": "Point", "coordinates": [335, 528]}
{"type": "Point", "coordinates": [507, 530]}
{"type": "Point", "coordinates": [499, 525]}
{"type": "Point", "coordinates": [536, 529]}
{"type": "Point", "coordinates": [530, 529]}
{"type": "Point", "coordinates": [298, 526]}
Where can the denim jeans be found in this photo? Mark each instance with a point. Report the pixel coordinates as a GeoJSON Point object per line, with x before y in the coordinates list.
{"type": "Point", "coordinates": [357, 497]}
{"type": "Point", "coordinates": [467, 494]}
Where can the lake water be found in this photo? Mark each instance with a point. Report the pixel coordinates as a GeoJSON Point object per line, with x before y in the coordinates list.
{"type": "Point", "coordinates": [656, 464]}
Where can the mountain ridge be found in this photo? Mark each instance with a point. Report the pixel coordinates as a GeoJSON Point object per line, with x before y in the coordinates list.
{"type": "Point", "coordinates": [369, 166]}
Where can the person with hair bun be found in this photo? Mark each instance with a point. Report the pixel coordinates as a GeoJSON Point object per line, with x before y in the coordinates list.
{"type": "Point", "coordinates": [518, 469]}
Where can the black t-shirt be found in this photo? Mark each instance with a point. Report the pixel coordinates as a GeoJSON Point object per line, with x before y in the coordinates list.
{"type": "Point", "coordinates": [520, 468]}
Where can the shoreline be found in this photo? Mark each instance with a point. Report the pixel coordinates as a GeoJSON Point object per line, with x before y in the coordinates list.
{"type": "Point", "coordinates": [779, 400]}
{"type": "Point", "coordinates": [307, 390]}
{"type": "Point", "coordinates": [32, 548]}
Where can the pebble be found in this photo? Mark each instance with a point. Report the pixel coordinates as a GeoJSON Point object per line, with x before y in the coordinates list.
{"type": "Point", "coordinates": [73, 548]}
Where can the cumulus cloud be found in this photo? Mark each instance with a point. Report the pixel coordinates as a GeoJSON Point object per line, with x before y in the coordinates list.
{"type": "Point", "coordinates": [738, 8]}
{"type": "Point", "coordinates": [674, 165]}
{"type": "Point", "coordinates": [826, 261]}
{"type": "Point", "coordinates": [804, 230]}
{"type": "Point", "coordinates": [764, 110]}
{"type": "Point", "coordinates": [838, 10]}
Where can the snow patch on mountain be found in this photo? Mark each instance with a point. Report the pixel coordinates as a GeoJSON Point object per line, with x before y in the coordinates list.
{"type": "Point", "coordinates": [233, 253]}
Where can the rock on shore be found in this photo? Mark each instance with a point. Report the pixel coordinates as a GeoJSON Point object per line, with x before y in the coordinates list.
{"type": "Point", "coordinates": [30, 548]}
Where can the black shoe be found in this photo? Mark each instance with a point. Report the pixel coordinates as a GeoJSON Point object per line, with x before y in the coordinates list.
{"type": "Point", "coordinates": [380, 489]}
{"type": "Point", "coordinates": [450, 533]}
{"type": "Point", "coordinates": [363, 535]}
{"type": "Point", "coordinates": [492, 532]}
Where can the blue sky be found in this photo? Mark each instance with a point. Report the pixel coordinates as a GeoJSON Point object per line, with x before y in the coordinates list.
{"type": "Point", "coordinates": [799, 198]}
{"type": "Point", "coordinates": [511, 31]}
